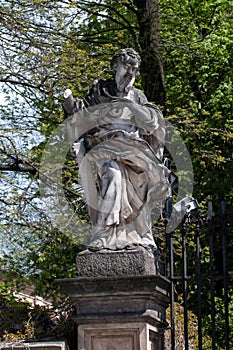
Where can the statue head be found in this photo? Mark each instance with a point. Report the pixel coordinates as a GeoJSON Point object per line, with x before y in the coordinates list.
{"type": "Point", "coordinates": [125, 63]}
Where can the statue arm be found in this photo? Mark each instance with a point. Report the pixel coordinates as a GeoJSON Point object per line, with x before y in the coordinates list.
{"type": "Point", "coordinates": [73, 110]}
{"type": "Point", "coordinates": [71, 105]}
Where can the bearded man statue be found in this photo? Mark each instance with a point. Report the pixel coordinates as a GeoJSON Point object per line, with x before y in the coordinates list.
{"type": "Point", "coordinates": [117, 138]}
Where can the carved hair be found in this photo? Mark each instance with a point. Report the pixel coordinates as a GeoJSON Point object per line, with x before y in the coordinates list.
{"type": "Point", "coordinates": [123, 56]}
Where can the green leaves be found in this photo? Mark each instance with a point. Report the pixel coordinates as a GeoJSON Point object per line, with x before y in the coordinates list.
{"type": "Point", "coordinates": [48, 46]}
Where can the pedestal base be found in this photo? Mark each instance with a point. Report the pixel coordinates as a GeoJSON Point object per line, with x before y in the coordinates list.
{"type": "Point", "coordinates": [125, 312]}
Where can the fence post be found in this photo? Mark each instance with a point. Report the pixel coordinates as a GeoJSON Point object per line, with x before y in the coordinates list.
{"type": "Point", "coordinates": [185, 283]}
{"type": "Point", "coordinates": [225, 273]}
{"type": "Point", "coordinates": [170, 275]}
{"type": "Point", "coordinates": [212, 284]}
{"type": "Point", "coordinates": [198, 279]}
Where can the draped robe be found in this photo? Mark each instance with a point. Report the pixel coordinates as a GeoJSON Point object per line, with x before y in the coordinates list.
{"type": "Point", "coordinates": [118, 143]}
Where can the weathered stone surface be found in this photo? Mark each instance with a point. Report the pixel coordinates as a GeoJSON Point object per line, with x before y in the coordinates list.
{"type": "Point", "coordinates": [120, 301]}
{"type": "Point", "coordinates": [146, 297]}
{"type": "Point", "coordinates": [119, 312]}
{"type": "Point", "coordinates": [81, 285]}
{"type": "Point", "coordinates": [128, 263]}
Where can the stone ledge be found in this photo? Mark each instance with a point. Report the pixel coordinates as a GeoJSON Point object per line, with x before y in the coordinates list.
{"type": "Point", "coordinates": [34, 345]}
{"type": "Point", "coordinates": [150, 317]}
{"type": "Point", "coordinates": [114, 284]}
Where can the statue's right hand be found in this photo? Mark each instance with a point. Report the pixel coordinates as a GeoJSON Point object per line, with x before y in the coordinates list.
{"type": "Point", "coordinates": [69, 102]}
{"type": "Point", "coordinates": [67, 93]}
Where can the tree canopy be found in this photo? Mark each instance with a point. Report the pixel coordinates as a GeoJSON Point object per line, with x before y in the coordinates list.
{"type": "Point", "coordinates": [48, 46]}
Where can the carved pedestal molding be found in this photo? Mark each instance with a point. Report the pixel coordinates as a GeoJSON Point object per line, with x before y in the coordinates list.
{"type": "Point", "coordinates": [118, 309]}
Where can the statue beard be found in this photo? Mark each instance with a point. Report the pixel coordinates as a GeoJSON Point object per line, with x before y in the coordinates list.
{"type": "Point", "coordinates": [125, 82]}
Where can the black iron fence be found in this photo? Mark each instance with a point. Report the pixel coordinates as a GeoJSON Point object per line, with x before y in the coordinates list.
{"type": "Point", "coordinates": [200, 267]}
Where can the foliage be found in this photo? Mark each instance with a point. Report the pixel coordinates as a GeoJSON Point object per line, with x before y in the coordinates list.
{"type": "Point", "coordinates": [21, 321]}
{"type": "Point", "coordinates": [193, 328]}
{"type": "Point", "coordinates": [220, 320]}
{"type": "Point", "coordinates": [179, 330]}
{"type": "Point", "coordinates": [199, 88]}
{"type": "Point", "coordinates": [48, 46]}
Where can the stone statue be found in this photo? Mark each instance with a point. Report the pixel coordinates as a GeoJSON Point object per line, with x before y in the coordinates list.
{"type": "Point", "coordinates": [117, 138]}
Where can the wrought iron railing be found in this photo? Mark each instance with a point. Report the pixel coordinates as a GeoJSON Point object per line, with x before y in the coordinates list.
{"type": "Point", "coordinates": [199, 263]}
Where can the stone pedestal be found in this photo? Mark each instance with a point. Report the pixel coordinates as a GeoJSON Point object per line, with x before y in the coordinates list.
{"type": "Point", "coordinates": [120, 300]}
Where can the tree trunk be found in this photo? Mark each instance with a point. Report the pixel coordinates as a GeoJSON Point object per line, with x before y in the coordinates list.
{"type": "Point", "coordinates": [149, 40]}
